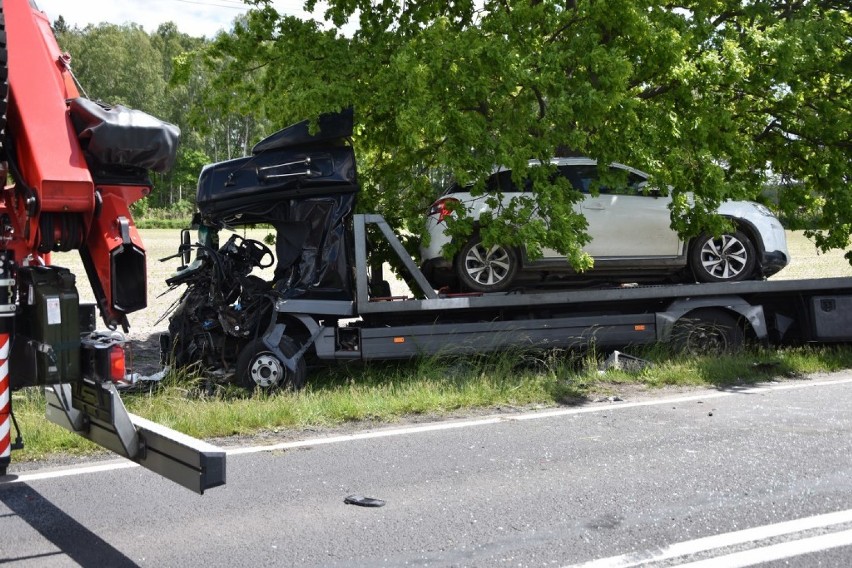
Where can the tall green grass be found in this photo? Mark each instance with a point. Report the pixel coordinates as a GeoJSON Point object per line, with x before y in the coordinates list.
{"type": "Point", "coordinates": [433, 387]}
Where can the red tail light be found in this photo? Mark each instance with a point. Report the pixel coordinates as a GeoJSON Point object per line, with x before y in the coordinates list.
{"type": "Point", "coordinates": [117, 368]}
{"type": "Point", "coordinates": [443, 207]}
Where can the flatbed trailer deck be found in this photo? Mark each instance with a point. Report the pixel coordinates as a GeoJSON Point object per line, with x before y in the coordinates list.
{"type": "Point", "coordinates": [370, 327]}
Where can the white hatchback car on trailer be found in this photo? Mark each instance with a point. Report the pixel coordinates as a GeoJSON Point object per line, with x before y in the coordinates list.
{"type": "Point", "coordinates": [631, 238]}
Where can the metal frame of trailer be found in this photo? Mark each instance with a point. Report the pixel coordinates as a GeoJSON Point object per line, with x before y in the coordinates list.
{"type": "Point", "coordinates": [370, 328]}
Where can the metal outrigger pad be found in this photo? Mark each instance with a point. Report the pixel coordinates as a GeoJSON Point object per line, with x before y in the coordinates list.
{"type": "Point", "coordinates": [95, 411]}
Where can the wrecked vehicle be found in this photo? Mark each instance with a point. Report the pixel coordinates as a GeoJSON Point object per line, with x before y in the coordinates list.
{"type": "Point", "coordinates": [301, 184]}
{"type": "Point", "coordinates": [327, 301]}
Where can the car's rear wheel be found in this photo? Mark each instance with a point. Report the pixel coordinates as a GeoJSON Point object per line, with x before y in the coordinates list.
{"type": "Point", "coordinates": [486, 269]}
{"type": "Point", "coordinates": [729, 258]}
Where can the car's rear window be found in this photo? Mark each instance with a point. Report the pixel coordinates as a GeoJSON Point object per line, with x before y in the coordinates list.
{"type": "Point", "coordinates": [501, 181]}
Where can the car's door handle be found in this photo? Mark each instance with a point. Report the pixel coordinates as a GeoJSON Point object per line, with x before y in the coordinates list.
{"type": "Point", "coordinates": [594, 206]}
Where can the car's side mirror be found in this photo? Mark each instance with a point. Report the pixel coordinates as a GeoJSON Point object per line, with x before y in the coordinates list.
{"type": "Point", "coordinates": [643, 188]}
{"type": "Point", "coordinates": [185, 247]}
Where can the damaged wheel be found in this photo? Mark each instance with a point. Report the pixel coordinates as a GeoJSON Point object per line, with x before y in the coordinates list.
{"type": "Point", "coordinates": [708, 332]}
{"type": "Point", "coordinates": [259, 367]}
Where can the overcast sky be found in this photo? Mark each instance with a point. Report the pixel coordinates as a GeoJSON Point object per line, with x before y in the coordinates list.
{"type": "Point", "coordinates": [193, 17]}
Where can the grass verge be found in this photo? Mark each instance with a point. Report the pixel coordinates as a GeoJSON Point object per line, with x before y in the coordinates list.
{"type": "Point", "coordinates": [388, 392]}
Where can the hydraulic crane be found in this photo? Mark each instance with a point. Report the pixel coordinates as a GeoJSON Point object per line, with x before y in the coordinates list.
{"type": "Point", "coordinates": [72, 169]}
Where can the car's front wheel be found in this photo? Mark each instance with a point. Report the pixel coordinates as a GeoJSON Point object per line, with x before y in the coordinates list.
{"type": "Point", "coordinates": [259, 367]}
{"type": "Point", "coordinates": [486, 269]}
{"type": "Point", "coordinates": [729, 258]}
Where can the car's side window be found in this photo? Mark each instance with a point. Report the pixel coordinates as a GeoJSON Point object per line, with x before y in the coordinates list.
{"type": "Point", "coordinates": [570, 173]}
{"type": "Point", "coordinates": [634, 184]}
{"type": "Point", "coordinates": [581, 177]}
{"type": "Point", "coordinates": [584, 177]}
{"type": "Point", "coordinates": [503, 181]}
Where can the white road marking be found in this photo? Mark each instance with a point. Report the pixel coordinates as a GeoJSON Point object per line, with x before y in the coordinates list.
{"type": "Point", "coordinates": [386, 433]}
{"type": "Point", "coordinates": [112, 465]}
{"type": "Point", "coordinates": [438, 426]}
{"type": "Point", "coordinates": [730, 539]}
{"type": "Point", "coordinates": [775, 551]}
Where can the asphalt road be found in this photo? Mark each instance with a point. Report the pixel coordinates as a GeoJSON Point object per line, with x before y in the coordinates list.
{"type": "Point", "coordinates": [730, 478]}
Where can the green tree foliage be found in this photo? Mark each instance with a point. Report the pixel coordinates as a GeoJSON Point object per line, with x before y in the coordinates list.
{"type": "Point", "coordinates": [230, 120]}
{"type": "Point", "coordinates": [711, 97]}
{"type": "Point", "coordinates": [119, 65]}
{"type": "Point", "coordinates": [125, 65]}
{"type": "Point", "coordinates": [60, 25]}
{"type": "Point", "coordinates": [171, 45]}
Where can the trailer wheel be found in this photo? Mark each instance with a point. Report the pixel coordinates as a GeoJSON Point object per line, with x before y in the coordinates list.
{"type": "Point", "coordinates": [730, 258]}
{"type": "Point", "coordinates": [258, 367]}
{"type": "Point", "coordinates": [482, 269]}
{"type": "Point", "coordinates": [707, 332]}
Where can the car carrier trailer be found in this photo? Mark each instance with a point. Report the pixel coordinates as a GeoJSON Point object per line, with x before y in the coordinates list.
{"type": "Point", "coordinates": [372, 325]}
{"type": "Point", "coordinates": [817, 310]}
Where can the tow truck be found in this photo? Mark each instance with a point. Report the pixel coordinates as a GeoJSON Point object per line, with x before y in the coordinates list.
{"type": "Point", "coordinates": [75, 168]}
{"type": "Point", "coordinates": [327, 299]}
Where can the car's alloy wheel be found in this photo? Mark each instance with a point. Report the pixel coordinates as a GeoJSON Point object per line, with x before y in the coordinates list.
{"type": "Point", "coordinates": [259, 367]}
{"type": "Point", "coordinates": [729, 258]}
{"type": "Point", "coordinates": [486, 269]}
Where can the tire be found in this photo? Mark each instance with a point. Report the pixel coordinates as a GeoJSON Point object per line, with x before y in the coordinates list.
{"type": "Point", "coordinates": [707, 332]}
{"type": "Point", "coordinates": [173, 354]}
{"type": "Point", "coordinates": [486, 270]}
{"type": "Point", "coordinates": [258, 367]}
{"type": "Point", "coordinates": [730, 258]}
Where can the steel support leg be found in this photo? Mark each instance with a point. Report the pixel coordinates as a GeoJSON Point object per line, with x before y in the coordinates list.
{"type": "Point", "coordinates": [5, 405]}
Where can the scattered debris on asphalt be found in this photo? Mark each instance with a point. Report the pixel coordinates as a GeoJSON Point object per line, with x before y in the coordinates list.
{"type": "Point", "coordinates": [362, 501]}
{"type": "Point", "coordinates": [610, 399]}
{"type": "Point", "coordinates": [624, 362]}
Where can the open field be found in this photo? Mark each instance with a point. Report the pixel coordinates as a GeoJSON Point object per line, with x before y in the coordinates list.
{"type": "Point", "coordinates": [159, 243]}
{"type": "Point", "coordinates": [808, 262]}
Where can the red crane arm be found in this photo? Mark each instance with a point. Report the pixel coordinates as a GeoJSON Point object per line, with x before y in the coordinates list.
{"type": "Point", "coordinates": [64, 197]}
